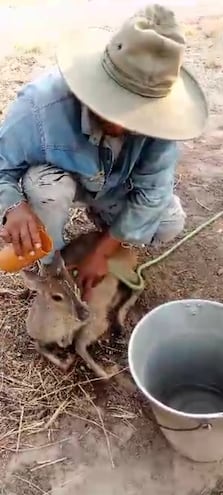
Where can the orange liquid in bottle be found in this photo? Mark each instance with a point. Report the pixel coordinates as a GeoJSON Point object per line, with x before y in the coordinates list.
{"type": "Point", "coordinates": [10, 262]}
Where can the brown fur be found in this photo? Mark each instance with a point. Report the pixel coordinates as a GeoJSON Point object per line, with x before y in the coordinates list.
{"type": "Point", "coordinates": [59, 316]}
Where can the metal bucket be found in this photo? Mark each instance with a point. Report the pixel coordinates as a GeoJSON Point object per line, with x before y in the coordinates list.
{"type": "Point", "coordinates": [176, 359]}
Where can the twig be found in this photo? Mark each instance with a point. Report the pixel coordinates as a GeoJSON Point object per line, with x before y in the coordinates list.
{"type": "Point", "coordinates": [92, 422]}
{"type": "Point", "coordinates": [102, 424]}
{"type": "Point", "coordinates": [55, 414]}
{"type": "Point", "coordinates": [48, 463]}
{"type": "Point", "coordinates": [17, 382]}
{"type": "Point", "coordinates": [84, 382]}
{"type": "Point", "coordinates": [43, 386]}
{"type": "Point", "coordinates": [3, 322]}
{"type": "Point", "coordinates": [202, 206]}
{"type": "Point", "coordinates": [53, 392]}
{"type": "Point", "coordinates": [20, 429]}
{"type": "Point", "coordinates": [30, 484]}
{"type": "Point", "coordinates": [44, 446]}
{"type": "Point", "coordinates": [8, 434]}
{"type": "Point", "coordinates": [30, 371]}
{"type": "Point", "coordinates": [26, 428]}
{"type": "Point", "coordinates": [99, 379]}
{"type": "Point", "coordinates": [8, 292]}
{"type": "Point", "coordinates": [85, 433]}
{"type": "Point", "coordinates": [76, 214]}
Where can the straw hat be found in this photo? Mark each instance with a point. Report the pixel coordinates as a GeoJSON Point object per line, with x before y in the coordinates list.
{"type": "Point", "coordinates": [135, 77]}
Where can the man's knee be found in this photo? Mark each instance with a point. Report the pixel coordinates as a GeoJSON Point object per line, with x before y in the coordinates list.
{"type": "Point", "coordinates": [172, 223]}
{"type": "Point", "coordinates": [46, 187]}
{"type": "Point", "coordinates": [51, 192]}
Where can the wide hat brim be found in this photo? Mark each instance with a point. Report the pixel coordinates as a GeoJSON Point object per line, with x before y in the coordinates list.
{"type": "Point", "coordinates": [180, 115]}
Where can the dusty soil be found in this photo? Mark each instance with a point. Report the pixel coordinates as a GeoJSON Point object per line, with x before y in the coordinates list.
{"type": "Point", "coordinates": [70, 433]}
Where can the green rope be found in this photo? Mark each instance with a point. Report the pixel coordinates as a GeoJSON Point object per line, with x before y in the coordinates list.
{"type": "Point", "coordinates": [140, 269]}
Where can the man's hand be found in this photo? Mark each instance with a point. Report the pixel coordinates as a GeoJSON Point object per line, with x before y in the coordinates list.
{"type": "Point", "coordinates": [92, 269]}
{"type": "Point", "coordinates": [95, 266]}
{"type": "Point", "coordinates": [22, 229]}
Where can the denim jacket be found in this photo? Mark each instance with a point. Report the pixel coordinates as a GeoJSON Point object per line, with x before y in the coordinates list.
{"type": "Point", "coordinates": [43, 125]}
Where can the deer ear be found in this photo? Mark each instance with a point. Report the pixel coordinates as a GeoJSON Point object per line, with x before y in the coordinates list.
{"type": "Point", "coordinates": [57, 266]}
{"type": "Point", "coordinates": [32, 280]}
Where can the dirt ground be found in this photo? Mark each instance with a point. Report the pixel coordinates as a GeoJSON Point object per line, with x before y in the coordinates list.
{"type": "Point", "coordinates": [71, 433]}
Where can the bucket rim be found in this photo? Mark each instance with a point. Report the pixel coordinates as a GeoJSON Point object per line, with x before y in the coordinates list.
{"type": "Point", "coordinates": [141, 387]}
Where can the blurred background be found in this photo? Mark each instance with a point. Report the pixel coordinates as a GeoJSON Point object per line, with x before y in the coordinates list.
{"type": "Point", "coordinates": [34, 22]}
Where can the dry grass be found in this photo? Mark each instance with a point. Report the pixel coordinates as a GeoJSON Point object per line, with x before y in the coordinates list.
{"type": "Point", "coordinates": [217, 490]}
{"type": "Point", "coordinates": [33, 393]}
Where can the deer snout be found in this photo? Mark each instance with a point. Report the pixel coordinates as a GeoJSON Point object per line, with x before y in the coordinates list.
{"type": "Point", "coordinates": [66, 341]}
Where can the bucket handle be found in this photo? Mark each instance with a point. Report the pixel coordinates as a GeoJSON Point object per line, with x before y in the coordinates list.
{"type": "Point", "coordinates": [203, 426]}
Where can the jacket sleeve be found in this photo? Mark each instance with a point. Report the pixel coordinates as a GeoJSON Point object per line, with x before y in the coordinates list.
{"type": "Point", "coordinates": [152, 180]}
{"type": "Point", "coordinates": [20, 146]}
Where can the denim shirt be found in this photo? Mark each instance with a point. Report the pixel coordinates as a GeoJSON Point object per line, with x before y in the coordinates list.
{"type": "Point", "coordinates": [43, 125]}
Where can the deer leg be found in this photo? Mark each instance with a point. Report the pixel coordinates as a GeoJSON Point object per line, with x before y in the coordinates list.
{"type": "Point", "coordinates": [81, 349]}
{"type": "Point", "coordinates": [89, 334]}
{"type": "Point", "coordinates": [62, 364]}
{"type": "Point", "coordinates": [124, 309]}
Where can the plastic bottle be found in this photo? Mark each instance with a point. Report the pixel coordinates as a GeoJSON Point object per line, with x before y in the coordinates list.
{"type": "Point", "coordinates": [10, 262]}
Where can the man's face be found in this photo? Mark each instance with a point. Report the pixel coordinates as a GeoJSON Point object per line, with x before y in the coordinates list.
{"type": "Point", "coordinates": [110, 129]}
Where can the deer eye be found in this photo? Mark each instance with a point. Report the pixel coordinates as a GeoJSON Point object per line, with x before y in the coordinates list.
{"type": "Point", "coordinates": [57, 297]}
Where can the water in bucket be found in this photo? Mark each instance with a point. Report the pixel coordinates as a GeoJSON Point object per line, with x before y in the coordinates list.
{"type": "Point", "coordinates": [176, 359]}
{"type": "Point", "coordinates": [184, 374]}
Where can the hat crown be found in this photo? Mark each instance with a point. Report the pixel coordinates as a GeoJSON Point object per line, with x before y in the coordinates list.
{"type": "Point", "coordinates": [145, 55]}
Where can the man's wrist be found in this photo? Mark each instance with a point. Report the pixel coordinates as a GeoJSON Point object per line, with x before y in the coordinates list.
{"type": "Point", "coordinates": [12, 208]}
{"type": "Point", "coordinates": [15, 205]}
{"type": "Point", "coordinates": [107, 246]}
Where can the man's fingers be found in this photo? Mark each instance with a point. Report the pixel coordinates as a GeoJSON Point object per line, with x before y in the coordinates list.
{"type": "Point", "coordinates": [34, 234]}
{"type": "Point", "coordinates": [4, 234]}
{"type": "Point", "coordinates": [17, 243]}
{"type": "Point", "coordinates": [88, 286]}
{"type": "Point", "coordinates": [26, 240]}
{"type": "Point", "coordinates": [87, 295]}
